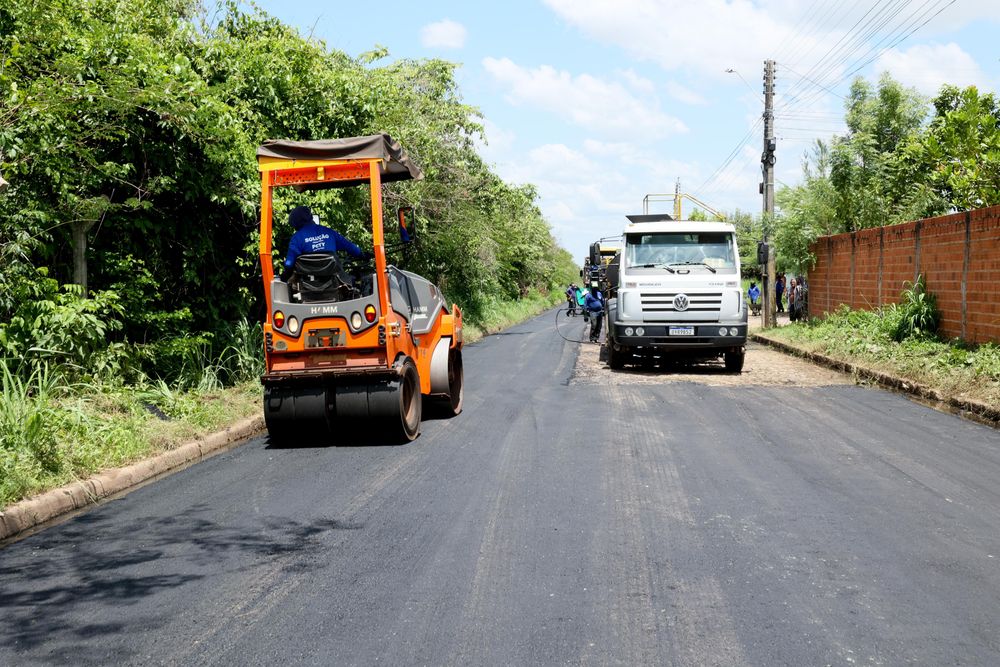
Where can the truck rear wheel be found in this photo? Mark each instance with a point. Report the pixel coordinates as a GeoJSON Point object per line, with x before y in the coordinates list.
{"type": "Point", "coordinates": [734, 361]}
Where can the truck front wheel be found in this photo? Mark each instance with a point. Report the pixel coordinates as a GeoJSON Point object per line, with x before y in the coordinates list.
{"type": "Point", "coordinates": [616, 358]}
{"type": "Point", "coordinates": [734, 361]}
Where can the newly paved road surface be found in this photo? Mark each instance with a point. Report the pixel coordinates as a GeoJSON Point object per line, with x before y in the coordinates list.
{"type": "Point", "coordinates": [558, 520]}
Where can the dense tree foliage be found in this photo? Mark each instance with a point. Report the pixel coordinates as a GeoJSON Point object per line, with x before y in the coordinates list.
{"type": "Point", "coordinates": [893, 165]}
{"type": "Point", "coordinates": [128, 130]}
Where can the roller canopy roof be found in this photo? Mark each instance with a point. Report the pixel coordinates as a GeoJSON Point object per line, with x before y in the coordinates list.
{"type": "Point", "coordinates": [396, 165]}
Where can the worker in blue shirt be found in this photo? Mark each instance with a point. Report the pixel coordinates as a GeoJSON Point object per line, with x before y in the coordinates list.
{"type": "Point", "coordinates": [594, 304]}
{"type": "Point", "coordinates": [310, 236]}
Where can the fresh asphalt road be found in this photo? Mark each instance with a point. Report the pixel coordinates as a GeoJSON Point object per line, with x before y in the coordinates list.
{"type": "Point", "coordinates": [553, 522]}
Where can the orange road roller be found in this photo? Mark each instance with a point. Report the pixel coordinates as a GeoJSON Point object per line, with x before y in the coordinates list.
{"type": "Point", "coordinates": [351, 345]}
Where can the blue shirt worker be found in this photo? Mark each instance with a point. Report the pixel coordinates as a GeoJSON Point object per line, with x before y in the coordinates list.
{"type": "Point", "coordinates": [310, 236]}
{"type": "Point", "coordinates": [594, 303]}
{"type": "Point", "coordinates": [753, 292]}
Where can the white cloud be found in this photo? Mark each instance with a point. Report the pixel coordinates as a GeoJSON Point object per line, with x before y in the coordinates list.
{"type": "Point", "coordinates": [638, 83]}
{"type": "Point", "coordinates": [927, 66]}
{"type": "Point", "coordinates": [497, 141]}
{"type": "Point", "coordinates": [684, 94]}
{"type": "Point", "coordinates": [608, 180]}
{"type": "Point", "coordinates": [585, 100]}
{"type": "Point", "coordinates": [705, 37]}
{"type": "Point", "coordinates": [446, 34]}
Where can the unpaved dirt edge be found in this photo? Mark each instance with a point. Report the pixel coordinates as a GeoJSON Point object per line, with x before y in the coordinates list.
{"type": "Point", "coordinates": [33, 512]}
{"type": "Point", "coordinates": [974, 410]}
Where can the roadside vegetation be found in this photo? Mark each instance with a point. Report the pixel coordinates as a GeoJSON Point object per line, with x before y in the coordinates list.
{"type": "Point", "coordinates": [901, 340]}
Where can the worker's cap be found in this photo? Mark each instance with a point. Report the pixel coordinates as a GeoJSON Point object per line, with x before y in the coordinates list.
{"type": "Point", "coordinates": [300, 216]}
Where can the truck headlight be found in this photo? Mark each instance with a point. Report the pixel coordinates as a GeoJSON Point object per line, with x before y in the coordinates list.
{"type": "Point", "coordinates": [639, 331]}
{"type": "Point", "coordinates": [723, 331]}
{"type": "Point", "coordinates": [629, 331]}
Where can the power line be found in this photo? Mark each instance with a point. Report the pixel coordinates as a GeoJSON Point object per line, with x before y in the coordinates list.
{"type": "Point", "coordinates": [732, 155]}
{"type": "Point", "coordinates": [835, 56]}
{"type": "Point", "coordinates": [908, 24]}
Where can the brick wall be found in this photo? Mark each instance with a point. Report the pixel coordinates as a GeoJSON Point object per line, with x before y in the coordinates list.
{"type": "Point", "coordinates": [958, 254]}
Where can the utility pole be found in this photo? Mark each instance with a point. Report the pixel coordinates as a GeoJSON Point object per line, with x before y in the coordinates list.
{"type": "Point", "coordinates": [677, 200]}
{"type": "Point", "coordinates": [767, 161]}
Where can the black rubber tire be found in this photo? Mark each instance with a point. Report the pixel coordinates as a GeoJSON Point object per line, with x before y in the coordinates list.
{"type": "Point", "coordinates": [410, 402]}
{"type": "Point", "coordinates": [456, 384]}
{"type": "Point", "coordinates": [616, 358]}
{"type": "Point", "coordinates": [734, 361]}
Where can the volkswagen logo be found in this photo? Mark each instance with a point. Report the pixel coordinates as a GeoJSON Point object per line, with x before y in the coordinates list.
{"type": "Point", "coordinates": [681, 302]}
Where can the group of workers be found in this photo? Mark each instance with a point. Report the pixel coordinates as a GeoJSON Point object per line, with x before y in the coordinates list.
{"type": "Point", "coordinates": [797, 295]}
{"type": "Point", "coordinates": [591, 303]}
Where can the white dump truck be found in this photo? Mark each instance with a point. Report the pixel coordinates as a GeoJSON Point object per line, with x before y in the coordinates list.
{"type": "Point", "coordinates": [676, 294]}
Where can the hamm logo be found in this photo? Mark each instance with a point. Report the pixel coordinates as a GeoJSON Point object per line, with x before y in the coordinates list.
{"type": "Point", "coordinates": [681, 302]}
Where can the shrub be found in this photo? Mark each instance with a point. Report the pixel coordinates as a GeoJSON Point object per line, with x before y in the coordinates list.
{"type": "Point", "coordinates": [917, 313]}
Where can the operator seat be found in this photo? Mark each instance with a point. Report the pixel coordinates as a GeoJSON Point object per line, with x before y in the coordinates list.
{"type": "Point", "coordinates": [321, 277]}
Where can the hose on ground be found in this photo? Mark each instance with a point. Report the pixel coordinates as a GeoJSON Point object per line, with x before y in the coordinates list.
{"type": "Point", "coordinates": [563, 336]}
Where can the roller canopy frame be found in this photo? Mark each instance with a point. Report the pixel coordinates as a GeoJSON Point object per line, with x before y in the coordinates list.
{"type": "Point", "coordinates": [394, 163]}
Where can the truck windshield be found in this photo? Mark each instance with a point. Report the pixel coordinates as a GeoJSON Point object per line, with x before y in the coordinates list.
{"type": "Point", "coordinates": [697, 250]}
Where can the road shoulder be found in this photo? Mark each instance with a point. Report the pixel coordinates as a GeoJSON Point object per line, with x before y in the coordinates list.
{"type": "Point", "coordinates": [25, 516]}
{"type": "Point", "coordinates": [970, 409]}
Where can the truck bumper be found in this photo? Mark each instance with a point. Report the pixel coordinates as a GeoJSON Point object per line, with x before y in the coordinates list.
{"type": "Point", "coordinates": [702, 336]}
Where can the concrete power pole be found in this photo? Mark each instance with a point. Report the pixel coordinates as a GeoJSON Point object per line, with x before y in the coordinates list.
{"type": "Point", "coordinates": [767, 161]}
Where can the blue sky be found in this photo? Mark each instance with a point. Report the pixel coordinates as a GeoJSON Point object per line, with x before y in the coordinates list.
{"type": "Point", "coordinates": [600, 102]}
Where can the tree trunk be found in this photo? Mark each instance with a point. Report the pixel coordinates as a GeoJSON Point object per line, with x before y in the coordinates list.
{"type": "Point", "coordinates": [80, 230]}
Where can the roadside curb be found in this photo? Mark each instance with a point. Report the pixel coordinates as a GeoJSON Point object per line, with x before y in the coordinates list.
{"type": "Point", "coordinates": [30, 513]}
{"type": "Point", "coordinates": [980, 412]}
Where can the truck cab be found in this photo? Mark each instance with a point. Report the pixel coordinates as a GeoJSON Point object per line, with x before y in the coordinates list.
{"type": "Point", "coordinates": [676, 293]}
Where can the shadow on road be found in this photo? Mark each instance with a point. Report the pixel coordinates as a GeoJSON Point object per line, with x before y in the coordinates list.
{"type": "Point", "coordinates": [72, 584]}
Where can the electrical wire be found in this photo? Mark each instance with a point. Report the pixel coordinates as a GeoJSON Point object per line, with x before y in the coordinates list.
{"type": "Point", "coordinates": [896, 36]}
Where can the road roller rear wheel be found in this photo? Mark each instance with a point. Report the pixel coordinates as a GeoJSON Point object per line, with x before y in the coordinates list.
{"type": "Point", "coordinates": [450, 404]}
{"type": "Point", "coordinates": [410, 402]}
{"type": "Point", "coordinates": [396, 404]}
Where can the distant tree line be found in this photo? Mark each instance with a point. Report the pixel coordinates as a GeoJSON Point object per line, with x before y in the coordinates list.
{"type": "Point", "coordinates": [128, 131]}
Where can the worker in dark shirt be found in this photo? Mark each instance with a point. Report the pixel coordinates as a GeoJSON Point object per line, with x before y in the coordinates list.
{"type": "Point", "coordinates": [594, 303]}
{"type": "Point", "coordinates": [310, 236]}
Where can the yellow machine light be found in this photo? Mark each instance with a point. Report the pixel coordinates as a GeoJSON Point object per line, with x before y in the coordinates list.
{"type": "Point", "coordinates": [370, 313]}
{"type": "Point", "coordinates": [278, 319]}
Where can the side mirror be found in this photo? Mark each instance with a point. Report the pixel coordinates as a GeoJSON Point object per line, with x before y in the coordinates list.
{"type": "Point", "coordinates": [407, 224]}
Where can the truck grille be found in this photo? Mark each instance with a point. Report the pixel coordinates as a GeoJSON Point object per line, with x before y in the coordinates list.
{"type": "Point", "coordinates": [701, 306]}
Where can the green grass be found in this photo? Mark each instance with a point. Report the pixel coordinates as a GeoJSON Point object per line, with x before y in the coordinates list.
{"type": "Point", "coordinates": [501, 314]}
{"type": "Point", "coordinates": [868, 338]}
{"type": "Point", "coordinates": [51, 435]}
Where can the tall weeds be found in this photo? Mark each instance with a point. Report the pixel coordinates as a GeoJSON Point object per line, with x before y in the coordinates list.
{"type": "Point", "coordinates": [29, 447]}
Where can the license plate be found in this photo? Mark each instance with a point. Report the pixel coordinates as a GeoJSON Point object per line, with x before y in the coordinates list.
{"type": "Point", "coordinates": [681, 331]}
